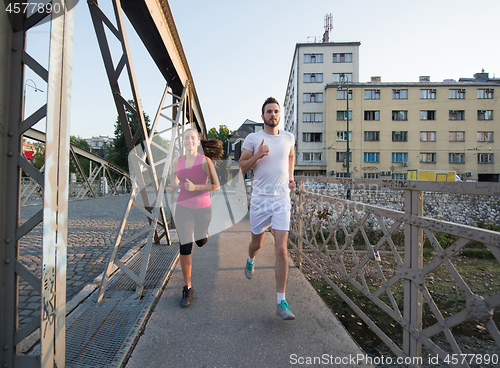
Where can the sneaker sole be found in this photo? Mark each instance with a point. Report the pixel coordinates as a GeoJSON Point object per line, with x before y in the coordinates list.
{"type": "Point", "coordinates": [248, 274]}
{"type": "Point", "coordinates": [287, 317]}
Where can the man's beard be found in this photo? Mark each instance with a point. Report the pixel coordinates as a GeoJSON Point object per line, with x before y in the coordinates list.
{"type": "Point", "coordinates": [271, 123]}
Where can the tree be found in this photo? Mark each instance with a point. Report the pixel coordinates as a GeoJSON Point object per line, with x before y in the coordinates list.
{"type": "Point", "coordinates": [222, 134]}
{"type": "Point", "coordinates": [84, 163]}
{"type": "Point", "coordinates": [118, 150]}
{"type": "Point", "coordinates": [39, 156]}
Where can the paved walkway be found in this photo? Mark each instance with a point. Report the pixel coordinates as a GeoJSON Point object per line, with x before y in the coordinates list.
{"type": "Point", "coordinates": [232, 321]}
{"type": "Point", "coordinates": [92, 228]}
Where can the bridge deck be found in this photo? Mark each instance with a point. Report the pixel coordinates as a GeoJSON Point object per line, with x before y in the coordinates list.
{"type": "Point", "coordinates": [232, 321]}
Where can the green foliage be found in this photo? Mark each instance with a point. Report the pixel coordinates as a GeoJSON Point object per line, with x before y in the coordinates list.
{"type": "Point", "coordinates": [84, 163]}
{"type": "Point", "coordinates": [222, 134]}
{"type": "Point", "coordinates": [39, 156]}
{"type": "Point", "coordinates": [118, 150]}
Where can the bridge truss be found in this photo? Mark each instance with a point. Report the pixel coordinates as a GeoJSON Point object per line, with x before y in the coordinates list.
{"type": "Point", "coordinates": [153, 22]}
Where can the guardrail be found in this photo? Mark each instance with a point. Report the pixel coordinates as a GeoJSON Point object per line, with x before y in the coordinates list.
{"type": "Point", "coordinates": [377, 254]}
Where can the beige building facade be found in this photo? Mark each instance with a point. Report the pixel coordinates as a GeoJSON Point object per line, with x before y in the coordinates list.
{"type": "Point", "coordinates": [396, 127]}
{"type": "Point", "coordinates": [314, 66]}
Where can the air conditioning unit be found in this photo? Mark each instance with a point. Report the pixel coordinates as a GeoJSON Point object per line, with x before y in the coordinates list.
{"type": "Point", "coordinates": [405, 163]}
{"type": "Point", "coordinates": [469, 173]}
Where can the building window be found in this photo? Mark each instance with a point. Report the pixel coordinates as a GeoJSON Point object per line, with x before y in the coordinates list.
{"type": "Point", "coordinates": [399, 94]}
{"type": "Point", "coordinates": [372, 115]}
{"type": "Point", "coordinates": [341, 94]}
{"type": "Point", "coordinates": [399, 176]}
{"type": "Point", "coordinates": [457, 93]}
{"type": "Point", "coordinates": [372, 136]}
{"type": "Point", "coordinates": [371, 175]}
{"type": "Point", "coordinates": [371, 157]}
{"type": "Point", "coordinates": [311, 137]}
{"type": "Point", "coordinates": [399, 136]}
{"type": "Point", "coordinates": [313, 58]}
{"type": "Point", "coordinates": [457, 136]}
{"type": "Point", "coordinates": [341, 115]}
{"type": "Point", "coordinates": [313, 77]}
{"type": "Point", "coordinates": [485, 136]}
{"type": "Point", "coordinates": [484, 114]}
{"type": "Point", "coordinates": [372, 94]}
{"type": "Point", "coordinates": [312, 117]}
{"type": "Point", "coordinates": [343, 175]}
{"type": "Point", "coordinates": [427, 136]}
{"type": "Point", "coordinates": [485, 93]}
{"type": "Point", "coordinates": [311, 156]}
{"type": "Point", "coordinates": [313, 97]}
{"type": "Point", "coordinates": [399, 157]}
{"type": "Point", "coordinates": [399, 115]}
{"type": "Point", "coordinates": [456, 158]}
{"type": "Point", "coordinates": [336, 77]}
{"type": "Point", "coordinates": [342, 58]}
{"type": "Point", "coordinates": [427, 115]}
{"type": "Point", "coordinates": [340, 156]}
{"type": "Point", "coordinates": [342, 136]}
{"type": "Point", "coordinates": [428, 94]}
{"type": "Point", "coordinates": [457, 115]}
{"type": "Point", "coordinates": [428, 158]}
{"type": "Point", "coordinates": [485, 158]}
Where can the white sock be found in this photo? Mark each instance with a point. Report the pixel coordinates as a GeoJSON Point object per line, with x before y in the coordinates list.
{"type": "Point", "coordinates": [251, 260]}
{"type": "Point", "coordinates": [281, 296]}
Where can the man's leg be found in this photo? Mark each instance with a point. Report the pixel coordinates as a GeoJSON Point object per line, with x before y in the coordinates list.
{"type": "Point", "coordinates": [255, 244]}
{"type": "Point", "coordinates": [281, 270]}
{"type": "Point", "coordinates": [281, 267]}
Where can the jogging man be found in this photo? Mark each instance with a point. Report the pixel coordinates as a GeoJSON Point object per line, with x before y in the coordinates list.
{"type": "Point", "coordinates": [270, 154]}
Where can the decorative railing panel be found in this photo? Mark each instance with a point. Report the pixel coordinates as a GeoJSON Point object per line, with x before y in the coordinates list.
{"type": "Point", "coordinates": [374, 255]}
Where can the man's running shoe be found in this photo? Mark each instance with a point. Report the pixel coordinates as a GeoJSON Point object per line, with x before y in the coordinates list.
{"type": "Point", "coordinates": [187, 296]}
{"type": "Point", "coordinates": [283, 311]}
{"type": "Point", "coordinates": [249, 269]}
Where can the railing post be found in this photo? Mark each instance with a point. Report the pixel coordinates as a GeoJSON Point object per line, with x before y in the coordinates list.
{"type": "Point", "coordinates": [301, 207]}
{"type": "Point", "coordinates": [413, 262]}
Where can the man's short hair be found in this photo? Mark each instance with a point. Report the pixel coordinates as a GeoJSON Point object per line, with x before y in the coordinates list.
{"type": "Point", "coordinates": [269, 101]}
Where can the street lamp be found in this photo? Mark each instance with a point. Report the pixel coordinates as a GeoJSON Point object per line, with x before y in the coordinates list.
{"type": "Point", "coordinates": [345, 79]}
{"type": "Point", "coordinates": [24, 93]}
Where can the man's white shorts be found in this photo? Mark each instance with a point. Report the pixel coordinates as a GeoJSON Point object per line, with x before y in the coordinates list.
{"type": "Point", "coordinates": [270, 210]}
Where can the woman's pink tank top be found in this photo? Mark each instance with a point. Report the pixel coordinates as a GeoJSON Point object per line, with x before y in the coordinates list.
{"type": "Point", "coordinates": [194, 199]}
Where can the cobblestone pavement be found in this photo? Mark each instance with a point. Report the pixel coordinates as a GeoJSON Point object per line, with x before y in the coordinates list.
{"type": "Point", "coordinates": [92, 229]}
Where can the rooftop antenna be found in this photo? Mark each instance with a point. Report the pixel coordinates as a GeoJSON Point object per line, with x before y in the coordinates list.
{"type": "Point", "coordinates": [328, 27]}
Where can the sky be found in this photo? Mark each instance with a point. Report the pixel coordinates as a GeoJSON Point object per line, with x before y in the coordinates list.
{"type": "Point", "coordinates": [240, 52]}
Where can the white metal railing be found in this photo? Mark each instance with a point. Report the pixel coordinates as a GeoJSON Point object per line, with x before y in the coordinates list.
{"type": "Point", "coordinates": [376, 253]}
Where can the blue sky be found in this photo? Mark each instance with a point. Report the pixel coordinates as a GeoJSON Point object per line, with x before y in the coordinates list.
{"type": "Point", "coordinates": [240, 52]}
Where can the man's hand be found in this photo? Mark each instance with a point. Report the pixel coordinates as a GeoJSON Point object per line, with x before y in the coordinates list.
{"type": "Point", "coordinates": [189, 186]}
{"type": "Point", "coordinates": [263, 150]}
{"type": "Point", "coordinates": [291, 184]}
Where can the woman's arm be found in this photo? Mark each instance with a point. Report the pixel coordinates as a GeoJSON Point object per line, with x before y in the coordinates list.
{"type": "Point", "coordinates": [172, 186]}
{"type": "Point", "coordinates": [209, 169]}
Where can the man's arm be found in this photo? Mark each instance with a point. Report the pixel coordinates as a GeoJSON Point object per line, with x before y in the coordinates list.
{"type": "Point", "coordinates": [248, 159]}
{"type": "Point", "coordinates": [291, 164]}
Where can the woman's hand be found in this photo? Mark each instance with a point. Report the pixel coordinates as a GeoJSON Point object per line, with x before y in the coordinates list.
{"type": "Point", "coordinates": [171, 188]}
{"type": "Point", "coordinates": [291, 184]}
{"type": "Point", "coordinates": [190, 187]}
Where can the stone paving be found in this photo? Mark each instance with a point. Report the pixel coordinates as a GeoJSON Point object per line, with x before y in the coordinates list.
{"type": "Point", "coordinates": [92, 229]}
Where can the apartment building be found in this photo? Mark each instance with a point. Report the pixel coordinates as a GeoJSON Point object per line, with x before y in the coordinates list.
{"type": "Point", "coordinates": [396, 127]}
{"type": "Point", "coordinates": [314, 66]}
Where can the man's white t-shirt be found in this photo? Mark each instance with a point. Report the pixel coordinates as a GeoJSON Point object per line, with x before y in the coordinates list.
{"type": "Point", "coordinates": [271, 172]}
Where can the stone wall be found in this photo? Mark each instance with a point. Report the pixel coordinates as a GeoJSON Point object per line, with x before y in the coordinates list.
{"type": "Point", "coordinates": [463, 209]}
